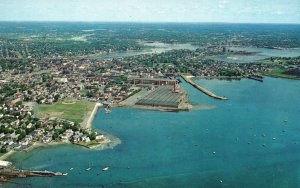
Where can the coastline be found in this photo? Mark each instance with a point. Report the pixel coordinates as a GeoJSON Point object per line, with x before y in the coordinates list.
{"type": "Point", "coordinates": [218, 77]}
{"type": "Point", "coordinates": [6, 155]}
{"type": "Point", "coordinates": [89, 117]}
{"type": "Point", "coordinates": [32, 147]}
{"type": "Point", "coordinates": [282, 76]}
{"type": "Point", "coordinates": [109, 141]}
{"type": "Point", "coordinates": [243, 77]}
{"type": "Point", "coordinates": [155, 108]}
{"type": "Point", "coordinates": [40, 144]}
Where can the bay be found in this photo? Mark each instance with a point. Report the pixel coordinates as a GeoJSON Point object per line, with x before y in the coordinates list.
{"type": "Point", "coordinates": [260, 54]}
{"type": "Point", "coordinates": [251, 140]}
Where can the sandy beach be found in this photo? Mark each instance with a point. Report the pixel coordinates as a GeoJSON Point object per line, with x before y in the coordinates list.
{"type": "Point", "coordinates": [88, 119]}
{"type": "Point", "coordinates": [6, 155]}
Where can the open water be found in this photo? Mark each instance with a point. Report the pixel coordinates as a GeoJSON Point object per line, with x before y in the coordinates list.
{"type": "Point", "coordinates": [251, 140]}
{"type": "Point", "coordinates": [261, 53]}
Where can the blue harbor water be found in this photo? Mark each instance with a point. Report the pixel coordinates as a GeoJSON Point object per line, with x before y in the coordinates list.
{"type": "Point", "coordinates": [260, 54]}
{"type": "Point", "coordinates": [155, 47]}
{"type": "Point", "coordinates": [251, 140]}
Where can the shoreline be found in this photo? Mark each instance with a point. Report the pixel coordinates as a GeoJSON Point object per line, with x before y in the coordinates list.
{"type": "Point", "coordinates": [7, 155]}
{"type": "Point", "coordinates": [282, 77]}
{"type": "Point", "coordinates": [32, 147]}
{"type": "Point", "coordinates": [242, 77]}
{"type": "Point", "coordinates": [166, 109]}
{"type": "Point", "coordinates": [110, 141]}
{"type": "Point", "coordinates": [155, 108]}
{"type": "Point", "coordinates": [218, 77]}
{"type": "Point", "coordinates": [89, 117]}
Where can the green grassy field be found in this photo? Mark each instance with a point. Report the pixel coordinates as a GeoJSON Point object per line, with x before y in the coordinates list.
{"type": "Point", "coordinates": [187, 74]}
{"type": "Point", "coordinates": [90, 144]}
{"type": "Point", "coordinates": [280, 73]}
{"type": "Point", "coordinates": [73, 112]}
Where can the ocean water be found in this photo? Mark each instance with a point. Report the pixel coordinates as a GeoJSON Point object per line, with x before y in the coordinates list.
{"type": "Point", "coordinates": [267, 52]}
{"type": "Point", "coordinates": [262, 53]}
{"type": "Point", "coordinates": [155, 47]}
{"type": "Point", "coordinates": [251, 140]}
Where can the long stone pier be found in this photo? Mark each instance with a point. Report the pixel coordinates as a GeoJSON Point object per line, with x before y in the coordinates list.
{"type": "Point", "coordinates": [205, 91]}
{"type": "Point", "coordinates": [7, 173]}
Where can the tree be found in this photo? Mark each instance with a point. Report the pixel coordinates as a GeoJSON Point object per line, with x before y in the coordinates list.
{"type": "Point", "coordinates": [92, 136]}
{"type": "Point", "coordinates": [56, 97]}
{"type": "Point", "coordinates": [3, 150]}
{"type": "Point", "coordinates": [55, 135]}
{"type": "Point", "coordinates": [21, 136]}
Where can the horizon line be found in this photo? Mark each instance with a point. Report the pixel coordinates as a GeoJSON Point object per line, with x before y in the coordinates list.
{"type": "Point", "coordinates": [153, 22]}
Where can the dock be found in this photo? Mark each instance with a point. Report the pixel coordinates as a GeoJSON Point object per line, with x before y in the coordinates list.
{"type": "Point", "coordinates": [203, 90]}
{"type": "Point", "coordinates": [256, 77]}
{"type": "Point", "coordinates": [8, 171]}
{"type": "Point", "coordinates": [164, 96]}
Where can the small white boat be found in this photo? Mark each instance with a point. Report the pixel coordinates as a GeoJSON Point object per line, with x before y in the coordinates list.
{"type": "Point", "coordinates": [88, 169]}
{"type": "Point", "coordinates": [65, 174]}
{"type": "Point", "coordinates": [105, 168]}
{"type": "Point", "coordinates": [107, 111]}
{"type": "Point", "coordinates": [71, 168]}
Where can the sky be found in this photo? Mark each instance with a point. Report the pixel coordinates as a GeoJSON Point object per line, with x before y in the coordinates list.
{"type": "Point", "coordinates": [234, 11]}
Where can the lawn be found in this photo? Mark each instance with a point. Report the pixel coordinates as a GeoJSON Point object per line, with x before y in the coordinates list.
{"type": "Point", "coordinates": [90, 144]}
{"type": "Point", "coordinates": [74, 111]}
{"type": "Point", "coordinates": [280, 73]}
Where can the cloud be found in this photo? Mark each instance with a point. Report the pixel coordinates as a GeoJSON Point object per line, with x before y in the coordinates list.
{"type": "Point", "coordinates": [279, 12]}
{"type": "Point", "coordinates": [223, 3]}
{"type": "Point", "coordinates": [275, 11]}
{"type": "Point", "coordinates": [221, 6]}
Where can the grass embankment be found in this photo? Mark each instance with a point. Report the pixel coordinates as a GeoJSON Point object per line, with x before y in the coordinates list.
{"type": "Point", "coordinates": [91, 144]}
{"type": "Point", "coordinates": [280, 73]}
{"type": "Point", "coordinates": [74, 111]}
{"type": "Point", "coordinates": [187, 74]}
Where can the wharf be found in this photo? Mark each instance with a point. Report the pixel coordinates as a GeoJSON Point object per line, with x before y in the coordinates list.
{"type": "Point", "coordinates": [7, 173]}
{"type": "Point", "coordinates": [256, 77]}
{"type": "Point", "coordinates": [205, 91]}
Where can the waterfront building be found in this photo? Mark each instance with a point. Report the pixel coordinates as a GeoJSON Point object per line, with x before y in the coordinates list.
{"type": "Point", "coordinates": [5, 164]}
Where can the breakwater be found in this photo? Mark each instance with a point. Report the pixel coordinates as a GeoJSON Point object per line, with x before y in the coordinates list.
{"type": "Point", "coordinates": [7, 173]}
{"type": "Point", "coordinates": [205, 91]}
{"type": "Point", "coordinates": [91, 118]}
